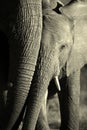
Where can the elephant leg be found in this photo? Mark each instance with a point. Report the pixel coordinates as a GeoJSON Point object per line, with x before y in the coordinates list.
{"type": "Point", "coordinates": [69, 101]}
{"type": "Point", "coordinates": [42, 123]}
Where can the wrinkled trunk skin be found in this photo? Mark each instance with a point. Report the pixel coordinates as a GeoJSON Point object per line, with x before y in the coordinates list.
{"type": "Point", "coordinates": [24, 38]}
{"type": "Point", "coordinates": [47, 67]}
{"type": "Point", "coordinates": [69, 101]}
{"type": "Point", "coordinates": [45, 70]}
{"type": "Point", "coordinates": [42, 122]}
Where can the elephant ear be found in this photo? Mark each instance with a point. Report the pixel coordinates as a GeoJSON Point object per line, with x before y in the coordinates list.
{"type": "Point", "coordinates": [75, 8]}
{"type": "Point", "coordinates": [78, 55]}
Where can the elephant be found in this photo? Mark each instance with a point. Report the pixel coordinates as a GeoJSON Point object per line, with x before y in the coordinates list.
{"type": "Point", "coordinates": [69, 95]}
{"type": "Point", "coordinates": [53, 59]}
{"type": "Point", "coordinates": [21, 23]}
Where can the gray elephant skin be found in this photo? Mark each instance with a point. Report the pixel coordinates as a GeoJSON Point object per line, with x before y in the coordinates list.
{"type": "Point", "coordinates": [72, 55]}
{"type": "Point", "coordinates": [21, 22]}
{"type": "Point", "coordinates": [53, 57]}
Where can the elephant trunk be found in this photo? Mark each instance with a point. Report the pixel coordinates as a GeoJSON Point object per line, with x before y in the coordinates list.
{"type": "Point", "coordinates": [26, 36]}
{"type": "Point", "coordinates": [69, 102]}
{"type": "Point", "coordinates": [45, 71]}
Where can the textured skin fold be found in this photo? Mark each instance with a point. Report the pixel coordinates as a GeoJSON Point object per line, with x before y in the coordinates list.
{"type": "Point", "coordinates": [24, 41]}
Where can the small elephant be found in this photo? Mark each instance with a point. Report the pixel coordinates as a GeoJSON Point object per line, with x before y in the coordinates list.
{"type": "Point", "coordinates": [69, 95]}
{"type": "Point", "coordinates": [62, 54]}
{"type": "Point", "coordinates": [54, 55]}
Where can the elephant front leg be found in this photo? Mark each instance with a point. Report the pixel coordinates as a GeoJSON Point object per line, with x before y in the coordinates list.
{"type": "Point", "coordinates": [69, 102]}
{"type": "Point", "coordinates": [42, 123]}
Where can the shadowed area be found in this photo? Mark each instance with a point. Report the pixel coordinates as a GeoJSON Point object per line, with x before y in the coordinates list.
{"type": "Point", "coordinates": [4, 58]}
